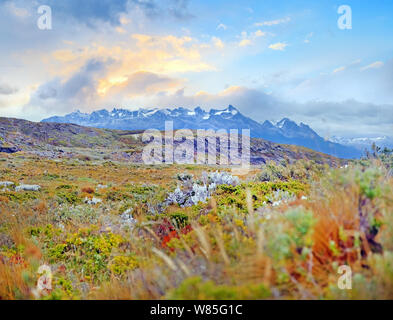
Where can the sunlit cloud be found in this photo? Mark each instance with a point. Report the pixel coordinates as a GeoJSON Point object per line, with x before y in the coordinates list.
{"type": "Point", "coordinates": [98, 74]}
{"type": "Point", "coordinates": [124, 20]}
{"type": "Point", "coordinates": [374, 65]}
{"type": "Point", "coordinates": [339, 69]}
{"type": "Point", "coordinates": [167, 54]}
{"type": "Point", "coordinates": [278, 46]}
{"type": "Point", "coordinates": [120, 30]}
{"type": "Point", "coordinates": [218, 42]}
{"type": "Point", "coordinates": [245, 42]}
{"type": "Point", "coordinates": [248, 39]}
{"type": "Point", "coordinates": [351, 65]}
{"type": "Point", "coordinates": [259, 33]}
{"type": "Point", "coordinates": [272, 22]}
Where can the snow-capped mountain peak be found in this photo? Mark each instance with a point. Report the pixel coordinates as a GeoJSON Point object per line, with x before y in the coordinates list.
{"type": "Point", "coordinates": [280, 124]}
{"type": "Point", "coordinates": [363, 143]}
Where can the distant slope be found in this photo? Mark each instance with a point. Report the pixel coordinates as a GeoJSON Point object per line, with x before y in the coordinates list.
{"type": "Point", "coordinates": [285, 131]}
{"type": "Point", "coordinates": [59, 140]}
{"type": "Point", "coordinates": [28, 135]}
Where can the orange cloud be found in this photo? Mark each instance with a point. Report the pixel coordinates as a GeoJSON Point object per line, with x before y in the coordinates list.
{"type": "Point", "coordinates": [138, 83]}
{"type": "Point", "coordinates": [167, 55]}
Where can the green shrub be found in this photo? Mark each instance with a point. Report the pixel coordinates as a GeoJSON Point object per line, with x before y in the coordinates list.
{"type": "Point", "coordinates": [87, 251]}
{"type": "Point", "coordinates": [121, 264]}
{"type": "Point", "coordinates": [71, 197]}
{"type": "Point", "coordinates": [180, 219]}
{"type": "Point", "coordinates": [196, 289]}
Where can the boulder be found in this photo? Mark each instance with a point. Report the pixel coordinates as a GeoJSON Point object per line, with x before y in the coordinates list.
{"type": "Point", "coordinates": [27, 187]}
{"type": "Point", "coordinates": [93, 201]}
{"type": "Point", "coordinates": [6, 184]}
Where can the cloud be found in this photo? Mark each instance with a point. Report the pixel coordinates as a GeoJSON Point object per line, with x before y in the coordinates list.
{"type": "Point", "coordinates": [93, 12]}
{"type": "Point", "coordinates": [350, 66]}
{"type": "Point", "coordinates": [339, 69]}
{"type": "Point", "coordinates": [93, 86]}
{"type": "Point", "coordinates": [16, 11]}
{"type": "Point", "coordinates": [179, 9]}
{"type": "Point", "coordinates": [98, 75]}
{"type": "Point", "coordinates": [345, 118]}
{"type": "Point", "coordinates": [218, 43]}
{"type": "Point", "coordinates": [278, 46]}
{"type": "Point", "coordinates": [245, 42]}
{"type": "Point", "coordinates": [140, 83]}
{"type": "Point", "coordinates": [157, 54]}
{"type": "Point", "coordinates": [78, 90]}
{"type": "Point", "coordinates": [120, 30]}
{"type": "Point", "coordinates": [308, 37]}
{"type": "Point", "coordinates": [260, 33]}
{"type": "Point", "coordinates": [248, 39]}
{"type": "Point", "coordinates": [6, 89]}
{"type": "Point", "coordinates": [374, 65]}
{"type": "Point", "coordinates": [347, 82]}
{"type": "Point", "coordinates": [252, 102]}
{"type": "Point", "coordinates": [349, 118]}
{"type": "Point", "coordinates": [272, 22]}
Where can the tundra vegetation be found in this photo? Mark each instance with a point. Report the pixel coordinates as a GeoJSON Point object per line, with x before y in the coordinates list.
{"type": "Point", "coordinates": [115, 230]}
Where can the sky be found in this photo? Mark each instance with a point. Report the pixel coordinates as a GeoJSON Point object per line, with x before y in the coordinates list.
{"type": "Point", "coordinates": [269, 59]}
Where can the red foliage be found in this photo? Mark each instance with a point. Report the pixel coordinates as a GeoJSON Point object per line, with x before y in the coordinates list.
{"type": "Point", "coordinates": [166, 232]}
{"type": "Point", "coordinates": [88, 190]}
{"type": "Point", "coordinates": [18, 260]}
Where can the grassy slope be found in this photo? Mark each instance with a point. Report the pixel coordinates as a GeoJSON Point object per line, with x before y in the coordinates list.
{"type": "Point", "coordinates": [75, 140]}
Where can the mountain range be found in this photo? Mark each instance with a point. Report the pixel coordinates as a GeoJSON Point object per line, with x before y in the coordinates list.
{"type": "Point", "coordinates": [364, 143]}
{"type": "Point", "coordinates": [73, 142]}
{"type": "Point", "coordinates": [285, 131]}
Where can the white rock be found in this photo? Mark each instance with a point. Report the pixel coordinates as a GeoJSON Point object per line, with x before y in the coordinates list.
{"type": "Point", "coordinates": [220, 178]}
{"type": "Point", "coordinates": [93, 201]}
{"type": "Point", "coordinates": [127, 212]}
{"type": "Point", "coordinates": [6, 183]}
{"type": "Point", "coordinates": [27, 187]}
{"type": "Point", "coordinates": [127, 218]}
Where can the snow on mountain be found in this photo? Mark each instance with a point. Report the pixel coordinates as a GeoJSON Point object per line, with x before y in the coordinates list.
{"type": "Point", "coordinates": [285, 131]}
{"type": "Point", "coordinates": [363, 143]}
